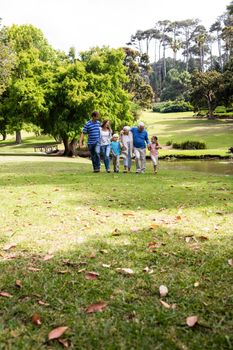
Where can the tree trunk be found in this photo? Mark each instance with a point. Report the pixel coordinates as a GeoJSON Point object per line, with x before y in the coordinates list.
{"type": "Point", "coordinates": [210, 108]}
{"type": "Point", "coordinates": [18, 137]}
{"type": "Point", "coordinates": [3, 136]}
{"type": "Point", "coordinates": [70, 147]}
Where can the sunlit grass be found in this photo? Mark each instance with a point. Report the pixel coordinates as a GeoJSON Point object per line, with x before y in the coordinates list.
{"type": "Point", "coordinates": [179, 127]}
{"type": "Point", "coordinates": [57, 206]}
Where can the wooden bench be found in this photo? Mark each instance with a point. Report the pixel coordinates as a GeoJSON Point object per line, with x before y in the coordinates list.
{"type": "Point", "coordinates": [45, 148]}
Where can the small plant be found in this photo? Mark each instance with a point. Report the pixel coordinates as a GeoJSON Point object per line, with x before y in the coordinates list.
{"type": "Point", "coordinates": [169, 143]}
{"type": "Point", "coordinates": [189, 145]}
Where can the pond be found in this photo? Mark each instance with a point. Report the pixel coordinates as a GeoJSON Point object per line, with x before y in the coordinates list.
{"type": "Point", "coordinates": [221, 167]}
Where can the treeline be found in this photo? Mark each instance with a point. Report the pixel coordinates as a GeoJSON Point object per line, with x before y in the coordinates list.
{"type": "Point", "coordinates": [54, 93]}
{"type": "Point", "coordinates": [193, 58]}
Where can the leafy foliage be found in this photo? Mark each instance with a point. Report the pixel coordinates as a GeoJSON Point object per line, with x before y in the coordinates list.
{"type": "Point", "coordinates": [172, 106]}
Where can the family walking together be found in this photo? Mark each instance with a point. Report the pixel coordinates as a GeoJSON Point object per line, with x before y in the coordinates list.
{"type": "Point", "coordinates": [131, 142]}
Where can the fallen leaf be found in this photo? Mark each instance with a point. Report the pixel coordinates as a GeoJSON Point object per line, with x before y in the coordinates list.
{"type": "Point", "coordinates": [92, 255]}
{"type": "Point", "coordinates": [64, 343]}
{"type": "Point", "coordinates": [166, 305]}
{"type": "Point", "coordinates": [6, 295]}
{"type": "Point", "coordinates": [178, 217]}
{"type": "Point", "coordinates": [188, 239]}
{"type": "Point", "coordinates": [147, 270]}
{"type": "Point", "coordinates": [191, 321]}
{"type": "Point", "coordinates": [202, 238]}
{"type": "Point", "coordinates": [130, 213]}
{"type": "Point", "coordinates": [48, 257]}
{"type": "Point", "coordinates": [103, 251]}
{"type": "Point", "coordinates": [34, 269]}
{"type": "Point", "coordinates": [41, 302]}
{"type": "Point", "coordinates": [97, 307]}
{"type": "Point", "coordinates": [106, 265]}
{"type": "Point", "coordinates": [57, 333]}
{"type": "Point", "coordinates": [152, 245]}
{"type": "Point", "coordinates": [36, 319]}
{"type": "Point", "coordinates": [230, 262]}
{"type": "Point", "coordinates": [91, 275]}
{"type": "Point", "coordinates": [9, 246]}
{"type": "Point", "coordinates": [163, 291]}
{"type": "Point", "coordinates": [116, 232]}
{"type": "Point", "coordinates": [125, 271]}
{"type": "Point", "coordinates": [154, 226]}
{"type": "Point", "coordinates": [18, 283]}
{"type": "Point", "coordinates": [196, 284]}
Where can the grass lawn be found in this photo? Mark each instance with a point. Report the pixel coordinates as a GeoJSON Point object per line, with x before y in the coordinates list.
{"type": "Point", "coordinates": [179, 127]}
{"type": "Point", "coordinates": [60, 221]}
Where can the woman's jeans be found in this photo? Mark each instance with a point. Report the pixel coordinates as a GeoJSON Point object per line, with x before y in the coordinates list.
{"type": "Point", "coordinates": [105, 151]}
{"type": "Point", "coordinates": [127, 160]}
{"type": "Point", "coordinates": [95, 155]}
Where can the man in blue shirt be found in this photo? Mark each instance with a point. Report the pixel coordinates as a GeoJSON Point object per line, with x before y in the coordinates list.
{"type": "Point", "coordinates": [140, 139]}
{"type": "Point", "coordinates": [92, 129]}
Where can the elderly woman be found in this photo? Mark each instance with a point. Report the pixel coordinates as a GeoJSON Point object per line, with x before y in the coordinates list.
{"type": "Point", "coordinates": [127, 147]}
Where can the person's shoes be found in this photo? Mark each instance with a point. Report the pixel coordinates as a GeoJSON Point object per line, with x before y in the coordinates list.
{"type": "Point", "coordinates": [142, 172]}
{"type": "Point", "coordinates": [108, 171]}
{"type": "Point", "coordinates": [124, 171]}
{"type": "Point", "coordinates": [96, 171]}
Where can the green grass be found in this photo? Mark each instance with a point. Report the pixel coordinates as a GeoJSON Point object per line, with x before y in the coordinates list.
{"type": "Point", "coordinates": [59, 207]}
{"type": "Point", "coordinates": [179, 127]}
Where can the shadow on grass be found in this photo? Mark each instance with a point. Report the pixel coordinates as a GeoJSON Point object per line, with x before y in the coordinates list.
{"type": "Point", "coordinates": [134, 317]}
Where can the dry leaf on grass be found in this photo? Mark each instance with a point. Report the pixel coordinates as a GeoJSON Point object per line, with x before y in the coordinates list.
{"type": "Point", "coordinates": [116, 232]}
{"type": "Point", "coordinates": [202, 238]}
{"type": "Point", "coordinates": [163, 291]}
{"type": "Point", "coordinates": [125, 271]}
{"type": "Point", "coordinates": [48, 257]}
{"type": "Point", "coordinates": [36, 319]}
{"type": "Point", "coordinates": [154, 226]}
{"type": "Point", "coordinates": [191, 321]}
{"type": "Point", "coordinates": [9, 246]}
{"type": "Point", "coordinates": [91, 275]}
{"type": "Point", "coordinates": [196, 284]}
{"type": "Point", "coordinates": [148, 270]}
{"type": "Point", "coordinates": [167, 306]}
{"type": "Point", "coordinates": [178, 217]}
{"type": "Point", "coordinates": [18, 283]}
{"type": "Point", "coordinates": [106, 265]}
{"type": "Point", "coordinates": [33, 269]}
{"type": "Point", "coordinates": [230, 262]}
{"type": "Point", "coordinates": [97, 307]}
{"type": "Point", "coordinates": [57, 333]}
{"type": "Point", "coordinates": [64, 343]}
{"type": "Point", "coordinates": [41, 302]}
{"type": "Point", "coordinates": [6, 295]}
{"type": "Point", "coordinates": [130, 213]}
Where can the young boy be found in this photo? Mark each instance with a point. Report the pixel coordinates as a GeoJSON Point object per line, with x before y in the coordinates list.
{"type": "Point", "coordinates": [116, 151]}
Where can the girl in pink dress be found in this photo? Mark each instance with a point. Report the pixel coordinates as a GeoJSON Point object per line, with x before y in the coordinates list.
{"type": "Point", "coordinates": [154, 154]}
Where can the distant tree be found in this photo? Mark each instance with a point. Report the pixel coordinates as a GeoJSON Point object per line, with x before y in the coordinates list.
{"type": "Point", "coordinates": [138, 70]}
{"type": "Point", "coordinates": [177, 86]}
{"type": "Point", "coordinates": [207, 91]}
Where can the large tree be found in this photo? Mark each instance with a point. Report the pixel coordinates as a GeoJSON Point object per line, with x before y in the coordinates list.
{"type": "Point", "coordinates": [207, 91]}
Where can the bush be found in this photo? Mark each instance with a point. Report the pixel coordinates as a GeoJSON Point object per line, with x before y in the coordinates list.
{"type": "Point", "coordinates": [172, 107]}
{"type": "Point", "coordinates": [189, 145]}
{"type": "Point", "coordinates": [169, 143]}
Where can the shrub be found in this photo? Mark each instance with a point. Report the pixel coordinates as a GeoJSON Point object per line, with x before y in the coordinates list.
{"type": "Point", "coordinates": [169, 143]}
{"type": "Point", "coordinates": [189, 145]}
{"type": "Point", "coordinates": [172, 107]}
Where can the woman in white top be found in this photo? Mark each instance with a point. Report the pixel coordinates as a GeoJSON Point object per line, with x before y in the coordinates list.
{"type": "Point", "coordinates": [127, 147]}
{"type": "Point", "coordinates": [105, 143]}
